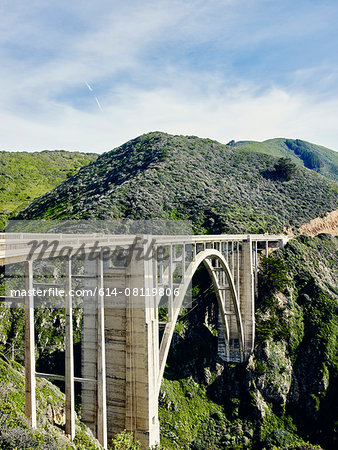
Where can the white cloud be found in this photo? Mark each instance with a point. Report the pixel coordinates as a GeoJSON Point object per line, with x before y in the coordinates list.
{"type": "Point", "coordinates": [183, 108]}
{"type": "Point", "coordinates": [138, 56]}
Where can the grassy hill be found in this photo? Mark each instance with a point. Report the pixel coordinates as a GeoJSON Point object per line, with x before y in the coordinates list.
{"type": "Point", "coordinates": [26, 176]}
{"type": "Point", "coordinates": [312, 156]}
{"type": "Point", "coordinates": [219, 188]}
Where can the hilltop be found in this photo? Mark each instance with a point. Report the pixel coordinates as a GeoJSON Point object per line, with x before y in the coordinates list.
{"type": "Point", "coordinates": [25, 176]}
{"type": "Point", "coordinates": [220, 188]}
{"type": "Point", "coordinates": [314, 157]}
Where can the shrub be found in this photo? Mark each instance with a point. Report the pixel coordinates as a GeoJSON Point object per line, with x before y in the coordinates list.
{"type": "Point", "coordinates": [125, 441]}
{"type": "Point", "coordinates": [273, 276]}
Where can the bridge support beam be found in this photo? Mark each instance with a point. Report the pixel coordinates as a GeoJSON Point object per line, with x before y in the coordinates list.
{"type": "Point", "coordinates": [247, 297]}
{"type": "Point", "coordinates": [30, 381]}
{"type": "Point", "coordinates": [101, 360]}
{"type": "Point", "coordinates": [69, 356]}
{"type": "Point", "coordinates": [94, 398]}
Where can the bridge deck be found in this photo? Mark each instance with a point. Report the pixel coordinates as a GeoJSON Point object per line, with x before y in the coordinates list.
{"type": "Point", "coordinates": [15, 247]}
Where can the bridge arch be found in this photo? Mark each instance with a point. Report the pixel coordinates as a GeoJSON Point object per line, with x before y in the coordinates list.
{"type": "Point", "coordinates": [214, 262]}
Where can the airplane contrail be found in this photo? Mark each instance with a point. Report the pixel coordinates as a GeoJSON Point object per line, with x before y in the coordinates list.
{"type": "Point", "coordinates": [98, 103]}
{"type": "Point", "coordinates": [89, 87]}
{"type": "Point", "coordinates": [96, 99]}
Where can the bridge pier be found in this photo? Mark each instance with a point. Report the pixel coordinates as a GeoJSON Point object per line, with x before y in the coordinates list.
{"type": "Point", "coordinates": [142, 349]}
{"type": "Point", "coordinates": [247, 297]}
{"type": "Point", "coordinates": [132, 352]}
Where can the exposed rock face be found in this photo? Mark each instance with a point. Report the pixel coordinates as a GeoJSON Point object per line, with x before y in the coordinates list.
{"type": "Point", "coordinates": [260, 403]}
{"type": "Point", "coordinates": [327, 224]}
{"type": "Point", "coordinates": [59, 415]}
{"type": "Point", "coordinates": [275, 383]}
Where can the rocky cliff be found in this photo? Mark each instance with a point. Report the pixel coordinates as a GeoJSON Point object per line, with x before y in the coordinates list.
{"type": "Point", "coordinates": [284, 396]}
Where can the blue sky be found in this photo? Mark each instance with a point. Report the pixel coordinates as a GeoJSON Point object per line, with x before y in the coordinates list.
{"type": "Point", "coordinates": [90, 75]}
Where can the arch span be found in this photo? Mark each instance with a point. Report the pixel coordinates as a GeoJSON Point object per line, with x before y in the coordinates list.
{"type": "Point", "coordinates": [215, 264]}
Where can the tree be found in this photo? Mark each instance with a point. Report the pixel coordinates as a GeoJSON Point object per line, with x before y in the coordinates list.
{"type": "Point", "coordinates": [285, 168]}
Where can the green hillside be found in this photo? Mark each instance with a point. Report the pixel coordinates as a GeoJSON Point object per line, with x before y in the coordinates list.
{"type": "Point", "coordinates": [25, 176]}
{"type": "Point", "coordinates": [219, 188]}
{"type": "Point", "coordinates": [312, 156]}
{"type": "Point", "coordinates": [284, 395]}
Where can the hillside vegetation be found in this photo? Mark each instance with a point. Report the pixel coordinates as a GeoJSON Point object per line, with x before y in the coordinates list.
{"type": "Point", "coordinates": [26, 176]}
{"type": "Point", "coordinates": [219, 188]}
{"type": "Point", "coordinates": [312, 156]}
{"type": "Point", "coordinates": [15, 432]}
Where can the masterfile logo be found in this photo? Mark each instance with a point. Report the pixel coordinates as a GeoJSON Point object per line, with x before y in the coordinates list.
{"type": "Point", "coordinates": [129, 264]}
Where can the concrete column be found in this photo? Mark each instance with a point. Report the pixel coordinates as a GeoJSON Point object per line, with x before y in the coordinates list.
{"type": "Point", "coordinates": [132, 350]}
{"type": "Point", "coordinates": [247, 297]}
{"type": "Point", "coordinates": [101, 359]}
{"type": "Point", "coordinates": [116, 352]}
{"type": "Point", "coordinates": [69, 355]}
{"type": "Point", "coordinates": [255, 252]}
{"type": "Point", "coordinates": [142, 354]}
{"type": "Point", "coordinates": [30, 382]}
{"type": "Point", "coordinates": [160, 255]}
{"type": "Point", "coordinates": [183, 261]}
{"type": "Point", "coordinates": [232, 260]}
{"type": "Point", "coordinates": [238, 274]}
{"type": "Point", "coordinates": [89, 348]}
{"type": "Point", "coordinates": [170, 283]}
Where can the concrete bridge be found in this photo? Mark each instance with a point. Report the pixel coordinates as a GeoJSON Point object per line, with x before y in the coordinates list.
{"type": "Point", "coordinates": [124, 344]}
